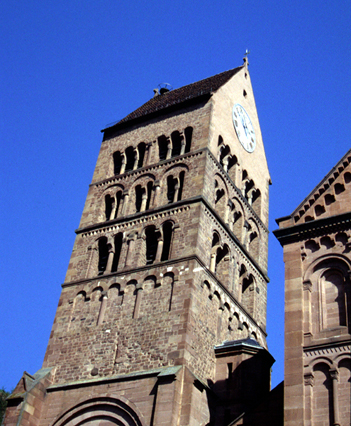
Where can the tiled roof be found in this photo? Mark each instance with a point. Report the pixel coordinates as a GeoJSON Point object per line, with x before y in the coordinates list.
{"type": "Point", "coordinates": [177, 96]}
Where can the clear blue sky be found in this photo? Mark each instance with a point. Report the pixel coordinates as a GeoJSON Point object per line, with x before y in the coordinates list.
{"type": "Point", "coordinates": [69, 68]}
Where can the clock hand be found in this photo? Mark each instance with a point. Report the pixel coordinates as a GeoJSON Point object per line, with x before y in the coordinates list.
{"type": "Point", "coordinates": [243, 122]}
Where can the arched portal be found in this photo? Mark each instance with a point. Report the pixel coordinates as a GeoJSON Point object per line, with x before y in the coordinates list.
{"type": "Point", "coordinates": [102, 411]}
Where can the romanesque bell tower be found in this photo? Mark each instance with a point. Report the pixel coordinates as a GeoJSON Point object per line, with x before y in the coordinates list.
{"type": "Point", "coordinates": [162, 315]}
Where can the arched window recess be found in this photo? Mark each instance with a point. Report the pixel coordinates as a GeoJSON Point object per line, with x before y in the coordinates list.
{"type": "Point", "coordinates": [159, 242]}
{"type": "Point", "coordinates": [113, 204]}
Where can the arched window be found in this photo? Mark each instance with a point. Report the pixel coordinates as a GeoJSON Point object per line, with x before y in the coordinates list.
{"type": "Point", "coordinates": [329, 297]}
{"type": "Point", "coordinates": [109, 206]}
{"type": "Point", "coordinates": [103, 255]}
{"type": "Point", "coordinates": [143, 197]}
{"type": "Point", "coordinates": [176, 143]}
{"type": "Point", "coordinates": [334, 295]}
{"type": "Point", "coordinates": [256, 201]}
{"type": "Point", "coordinates": [222, 268]}
{"type": "Point", "coordinates": [149, 187]}
{"type": "Point", "coordinates": [118, 247]}
{"type": "Point", "coordinates": [188, 132]}
{"type": "Point", "coordinates": [248, 186]}
{"type": "Point", "coordinates": [220, 198]}
{"type": "Point", "coordinates": [214, 248]}
{"type": "Point", "coordinates": [112, 205]}
{"type": "Point", "coordinates": [152, 236]}
{"type": "Point", "coordinates": [247, 293]}
{"type": "Point", "coordinates": [224, 153]}
{"type": "Point", "coordinates": [322, 394]}
{"type": "Point", "coordinates": [253, 240]}
{"type": "Point", "coordinates": [118, 203]}
{"type": "Point", "coordinates": [167, 239]}
{"type": "Point", "coordinates": [139, 191]}
{"type": "Point", "coordinates": [162, 147]}
{"type": "Point", "coordinates": [129, 158]}
{"type": "Point", "coordinates": [219, 195]}
{"type": "Point", "coordinates": [171, 188]}
{"type": "Point", "coordinates": [141, 152]}
{"type": "Point", "coordinates": [117, 162]}
{"type": "Point", "coordinates": [181, 183]}
{"type": "Point", "coordinates": [175, 188]}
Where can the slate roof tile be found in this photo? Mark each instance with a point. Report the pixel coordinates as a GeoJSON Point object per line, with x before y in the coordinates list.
{"type": "Point", "coordinates": [177, 96]}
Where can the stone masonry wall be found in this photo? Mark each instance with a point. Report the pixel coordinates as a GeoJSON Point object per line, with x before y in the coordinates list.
{"type": "Point", "coordinates": [196, 117]}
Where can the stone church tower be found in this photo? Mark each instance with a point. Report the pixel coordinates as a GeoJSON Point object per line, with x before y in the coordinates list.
{"type": "Point", "coordinates": [162, 315]}
{"type": "Point", "coordinates": [317, 256]}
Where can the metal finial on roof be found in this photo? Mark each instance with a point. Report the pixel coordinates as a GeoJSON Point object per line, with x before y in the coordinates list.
{"type": "Point", "coordinates": [245, 58]}
{"type": "Point", "coordinates": [164, 88]}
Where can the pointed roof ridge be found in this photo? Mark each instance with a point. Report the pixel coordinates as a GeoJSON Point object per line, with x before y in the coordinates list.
{"type": "Point", "coordinates": [326, 182]}
{"type": "Point", "coordinates": [206, 86]}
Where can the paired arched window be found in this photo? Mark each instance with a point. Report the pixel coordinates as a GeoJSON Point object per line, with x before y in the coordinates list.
{"type": "Point", "coordinates": [143, 197]}
{"type": "Point", "coordinates": [247, 297]}
{"type": "Point", "coordinates": [109, 256]}
{"type": "Point", "coordinates": [175, 187]}
{"type": "Point", "coordinates": [219, 253]}
{"type": "Point", "coordinates": [158, 243]}
{"type": "Point", "coordinates": [177, 144]}
{"type": "Point", "coordinates": [113, 205]}
{"type": "Point", "coordinates": [130, 159]}
{"type": "Point", "coordinates": [221, 197]}
{"type": "Point", "coordinates": [226, 159]}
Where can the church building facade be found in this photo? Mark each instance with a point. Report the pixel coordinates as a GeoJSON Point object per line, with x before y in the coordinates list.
{"type": "Point", "coordinates": [317, 256]}
{"type": "Point", "coordinates": [162, 316]}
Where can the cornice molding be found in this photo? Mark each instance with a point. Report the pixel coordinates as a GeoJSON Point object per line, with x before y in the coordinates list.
{"type": "Point", "coordinates": [312, 229]}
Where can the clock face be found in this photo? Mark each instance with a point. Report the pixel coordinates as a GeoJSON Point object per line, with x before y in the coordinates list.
{"type": "Point", "coordinates": [244, 128]}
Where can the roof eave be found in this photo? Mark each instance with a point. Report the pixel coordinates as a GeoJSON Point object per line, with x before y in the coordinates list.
{"type": "Point", "coordinates": [133, 121]}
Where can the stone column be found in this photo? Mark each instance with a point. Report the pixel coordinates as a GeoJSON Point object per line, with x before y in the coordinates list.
{"type": "Point", "coordinates": [143, 201]}
{"type": "Point", "coordinates": [157, 189]}
{"type": "Point", "coordinates": [235, 277]}
{"type": "Point", "coordinates": [102, 308]}
{"type": "Point", "coordinates": [113, 210]}
{"type": "Point", "coordinates": [240, 283]}
{"type": "Point", "coordinates": [236, 174]}
{"type": "Point", "coordinates": [136, 158]}
{"type": "Point", "coordinates": [213, 262]}
{"type": "Point", "coordinates": [308, 377]}
{"type": "Point", "coordinates": [225, 163]}
{"type": "Point", "coordinates": [138, 290]}
{"type": "Point", "coordinates": [182, 149]}
{"type": "Point", "coordinates": [176, 191]}
{"type": "Point", "coordinates": [125, 202]}
{"type": "Point", "coordinates": [169, 149]}
{"type": "Point", "coordinates": [123, 165]}
{"type": "Point", "coordinates": [219, 320]}
{"type": "Point", "coordinates": [334, 376]}
{"type": "Point", "coordinates": [159, 250]}
{"type": "Point", "coordinates": [92, 253]}
{"type": "Point", "coordinates": [147, 154]}
{"type": "Point", "coordinates": [109, 260]}
{"type": "Point", "coordinates": [227, 211]}
{"type": "Point", "coordinates": [307, 288]}
{"type": "Point", "coordinates": [131, 243]}
{"type": "Point", "coordinates": [246, 232]}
